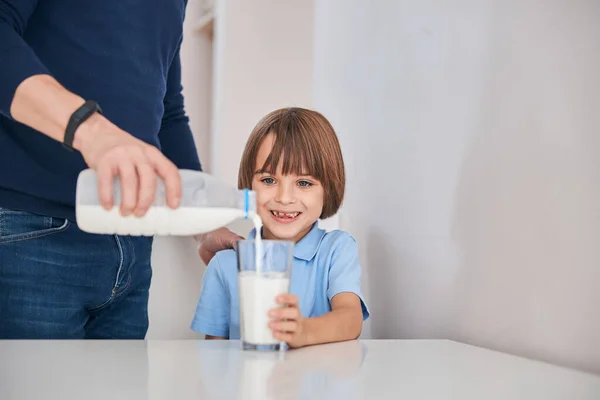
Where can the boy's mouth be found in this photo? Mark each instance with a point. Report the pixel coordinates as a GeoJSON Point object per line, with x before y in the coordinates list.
{"type": "Point", "coordinates": [285, 217]}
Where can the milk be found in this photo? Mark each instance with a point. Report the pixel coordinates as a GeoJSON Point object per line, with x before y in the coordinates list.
{"type": "Point", "coordinates": [258, 240]}
{"type": "Point", "coordinates": [257, 296]}
{"type": "Point", "coordinates": [183, 221]}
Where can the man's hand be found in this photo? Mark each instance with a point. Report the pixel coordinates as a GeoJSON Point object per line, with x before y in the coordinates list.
{"type": "Point", "coordinates": [212, 242]}
{"type": "Point", "coordinates": [42, 103]}
{"type": "Point", "coordinates": [288, 323]}
{"type": "Point", "coordinates": [112, 152]}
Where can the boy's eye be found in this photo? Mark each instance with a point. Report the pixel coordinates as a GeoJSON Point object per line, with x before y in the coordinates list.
{"type": "Point", "coordinates": [268, 181]}
{"type": "Point", "coordinates": [304, 184]}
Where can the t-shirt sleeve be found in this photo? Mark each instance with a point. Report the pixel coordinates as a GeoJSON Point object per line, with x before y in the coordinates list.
{"type": "Point", "coordinates": [345, 272]}
{"type": "Point", "coordinates": [212, 312]}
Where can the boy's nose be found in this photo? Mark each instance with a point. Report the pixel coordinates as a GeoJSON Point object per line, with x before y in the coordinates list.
{"type": "Point", "coordinates": [285, 195]}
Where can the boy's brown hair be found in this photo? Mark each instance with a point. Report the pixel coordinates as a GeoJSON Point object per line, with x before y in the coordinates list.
{"type": "Point", "coordinates": [309, 146]}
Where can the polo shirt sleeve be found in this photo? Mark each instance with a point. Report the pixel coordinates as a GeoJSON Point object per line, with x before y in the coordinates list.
{"type": "Point", "coordinates": [345, 271]}
{"type": "Point", "coordinates": [212, 311]}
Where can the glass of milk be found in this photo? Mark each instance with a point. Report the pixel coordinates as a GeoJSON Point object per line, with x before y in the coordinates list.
{"type": "Point", "coordinates": [264, 269]}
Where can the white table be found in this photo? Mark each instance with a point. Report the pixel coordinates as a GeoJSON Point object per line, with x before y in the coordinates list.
{"type": "Point", "coordinates": [419, 369]}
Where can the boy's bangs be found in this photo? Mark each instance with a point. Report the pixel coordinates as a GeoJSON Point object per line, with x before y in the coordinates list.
{"type": "Point", "coordinates": [295, 155]}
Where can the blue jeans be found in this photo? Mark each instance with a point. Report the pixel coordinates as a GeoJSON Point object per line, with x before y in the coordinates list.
{"type": "Point", "coordinates": [57, 282]}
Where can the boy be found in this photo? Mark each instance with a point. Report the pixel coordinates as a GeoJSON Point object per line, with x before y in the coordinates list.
{"type": "Point", "coordinates": [294, 163]}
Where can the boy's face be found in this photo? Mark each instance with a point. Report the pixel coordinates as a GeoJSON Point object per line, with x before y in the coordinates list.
{"type": "Point", "coordinates": [287, 204]}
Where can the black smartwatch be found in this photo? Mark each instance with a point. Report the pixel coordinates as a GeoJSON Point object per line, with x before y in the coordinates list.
{"type": "Point", "coordinates": [77, 118]}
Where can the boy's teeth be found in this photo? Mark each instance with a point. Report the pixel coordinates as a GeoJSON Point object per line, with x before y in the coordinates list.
{"type": "Point", "coordinates": [288, 215]}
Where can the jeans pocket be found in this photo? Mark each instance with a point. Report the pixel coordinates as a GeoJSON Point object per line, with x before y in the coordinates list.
{"type": "Point", "coordinates": [19, 225]}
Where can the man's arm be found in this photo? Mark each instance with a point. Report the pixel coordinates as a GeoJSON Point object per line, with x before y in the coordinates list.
{"type": "Point", "coordinates": [25, 80]}
{"type": "Point", "coordinates": [175, 136]}
{"type": "Point", "coordinates": [28, 92]}
{"type": "Point", "coordinates": [19, 62]}
{"type": "Point", "coordinates": [31, 96]}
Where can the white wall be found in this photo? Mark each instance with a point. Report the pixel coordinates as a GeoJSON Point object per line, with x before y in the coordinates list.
{"type": "Point", "coordinates": [471, 132]}
{"type": "Point", "coordinates": [264, 62]}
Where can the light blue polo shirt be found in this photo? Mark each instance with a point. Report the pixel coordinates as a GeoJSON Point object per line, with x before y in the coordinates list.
{"type": "Point", "coordinates": [325, 264]}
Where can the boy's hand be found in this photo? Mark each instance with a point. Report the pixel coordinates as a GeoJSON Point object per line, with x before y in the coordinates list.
{"type": "Point", "coordinates": [287, 324]}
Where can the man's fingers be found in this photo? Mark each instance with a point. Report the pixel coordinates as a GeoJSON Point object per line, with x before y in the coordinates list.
{"type": "Point", "coordinates": [169, 173]}
{"type": "Point", "coordinates": [219, 239]}
{"type": "Point", "coordinates": [129, 187]}
{"type": "Point", "coordinates": [226, 239]}
{"type": "Point", "coordinates": [233, 240]}
{"type": "Point", "coordinates": [106, 175]}
{"type": "Point", "coordinates": [147, 179]}
{"type": "Point", "coordinates": [138, 166]}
